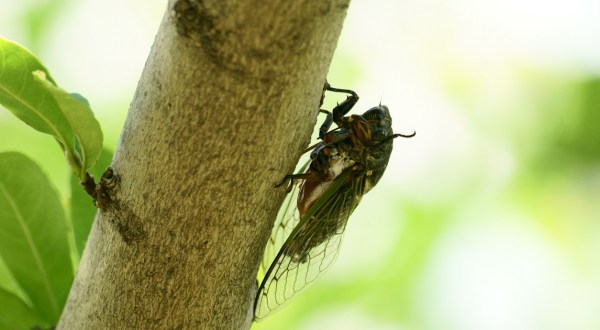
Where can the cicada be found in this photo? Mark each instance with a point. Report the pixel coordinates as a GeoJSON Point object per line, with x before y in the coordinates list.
{"type": "Point", "coordinates": [345, 164]}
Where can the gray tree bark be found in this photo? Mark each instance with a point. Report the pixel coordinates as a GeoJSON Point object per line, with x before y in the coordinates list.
{"type": "Point", "coordinates": [226, 104]}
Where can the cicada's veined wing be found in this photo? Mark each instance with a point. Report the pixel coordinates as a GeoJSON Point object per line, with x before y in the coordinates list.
{"type": "Point", "coordinates": [287, 219]}
{"type": "Point", "coordinates": [312, 246]}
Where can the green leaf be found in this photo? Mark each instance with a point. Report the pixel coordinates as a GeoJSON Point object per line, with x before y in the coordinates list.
{"type": "Point", "coordinates": [28, 91]}
{"type": "Point", "coordinates": [33, 235]}
{"type": "Point", "coordinates": [20, 94]}
{"type": "Point", "coordinates": [8, 282]}
{"type": "Point", "coordinates": [15, 313]}
{"type": "Point", "coordinates": [76, 108]}
{"type": "Point", "coordinates": [83, 210]}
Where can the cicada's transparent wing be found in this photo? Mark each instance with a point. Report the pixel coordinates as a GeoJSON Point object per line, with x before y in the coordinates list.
{"type": "Point", "coordinates": [311, 247]}
{"type": "Point", "coordinates": [287, 219]}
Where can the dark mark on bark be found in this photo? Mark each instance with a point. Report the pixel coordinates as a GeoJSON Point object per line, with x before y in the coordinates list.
{"type": "Point", "coordinates": [194, 21]}
{"type": "Point", "coordinates": [244, 47]}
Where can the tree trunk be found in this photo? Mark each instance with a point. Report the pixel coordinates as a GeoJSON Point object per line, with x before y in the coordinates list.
{"type": "Point", "coordinates": [226, 103]}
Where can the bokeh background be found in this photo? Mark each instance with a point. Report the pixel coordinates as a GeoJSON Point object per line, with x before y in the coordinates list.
{"type": "Point", "coordinates": [487, 219]}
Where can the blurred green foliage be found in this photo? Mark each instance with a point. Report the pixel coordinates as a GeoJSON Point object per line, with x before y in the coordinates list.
{"type": "Point", "coordinates": [578, 144]}
{"type": "Point", "coordinates": [41, 17]}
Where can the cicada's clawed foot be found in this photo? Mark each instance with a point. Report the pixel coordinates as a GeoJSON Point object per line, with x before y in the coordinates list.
{"type": "Point", "coordinates": [280, 183]}
{"type": "Point", "coordinates": [284, 180]}
{"type": "Point", "coordinates": [289, 186]}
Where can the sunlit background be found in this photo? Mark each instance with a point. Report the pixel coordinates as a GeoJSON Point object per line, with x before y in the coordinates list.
{"type": "Point", "coordinates": [487, 219]}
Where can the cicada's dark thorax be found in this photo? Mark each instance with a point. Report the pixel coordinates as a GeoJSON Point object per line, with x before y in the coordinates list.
{"type": "Point", "coordinates": [352, 157]}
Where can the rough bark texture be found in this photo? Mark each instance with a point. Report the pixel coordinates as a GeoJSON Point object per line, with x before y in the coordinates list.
{"type": "Point", "coordinates": [226, 103]}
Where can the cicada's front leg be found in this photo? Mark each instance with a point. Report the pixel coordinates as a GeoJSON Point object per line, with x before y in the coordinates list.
{"type": "Point", "coordinates": [337, 116]}
{"type": "Point", "coordinates": [326, 124]}
{"type": "Point", "coordinates": [343, 108]}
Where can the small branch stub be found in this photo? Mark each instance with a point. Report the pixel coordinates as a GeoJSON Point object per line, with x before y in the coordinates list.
{"type": "Point", "coordinates": [102, 192]}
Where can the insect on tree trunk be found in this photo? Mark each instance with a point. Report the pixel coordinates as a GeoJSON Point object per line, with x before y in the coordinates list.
{"type": "Point", "coordinates": [225, 105]}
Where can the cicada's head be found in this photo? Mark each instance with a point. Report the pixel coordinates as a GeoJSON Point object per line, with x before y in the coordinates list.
{"type": "Point", "coordinates": [380, 123]}
{"type": "Point", "coordinates": [381, 144]}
